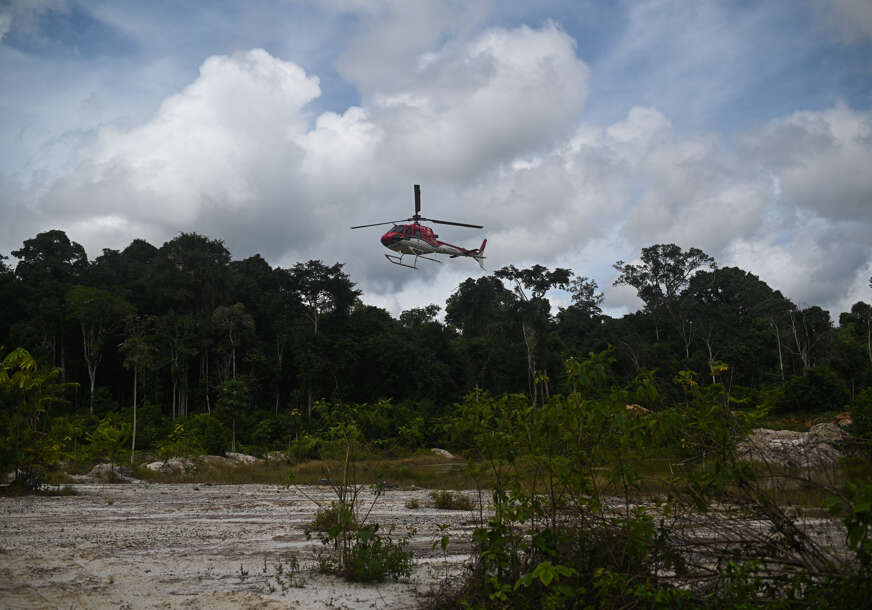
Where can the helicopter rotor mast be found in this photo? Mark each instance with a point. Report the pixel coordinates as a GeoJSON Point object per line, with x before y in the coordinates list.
{"type": "Point", "coordinates": [416, 218]}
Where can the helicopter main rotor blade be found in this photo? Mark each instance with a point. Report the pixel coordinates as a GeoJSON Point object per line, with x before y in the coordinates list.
{"type": "Point", "coordinates": [417, 199]}
{"type": "Point", "coordinates": [456, 224]}
{"type": "Point", "coordinates": [375, 224]}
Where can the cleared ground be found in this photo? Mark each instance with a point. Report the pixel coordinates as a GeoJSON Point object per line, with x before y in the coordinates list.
{"type": "Point", "coordinates": [204, 546]}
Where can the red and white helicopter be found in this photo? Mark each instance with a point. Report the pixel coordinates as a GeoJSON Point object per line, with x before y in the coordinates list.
{"type": "Point", "coordinates": [417, 240]}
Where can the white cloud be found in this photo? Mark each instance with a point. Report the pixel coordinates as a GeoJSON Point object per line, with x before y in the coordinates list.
{"type": "Point", "coordinates": [395, 35]}
{"type": "Point", "coordinates": [491, 123]}
{"type": "Point", "coordinates": [823, 160]}
{"type": "Point", "coordinates": [848, 21]}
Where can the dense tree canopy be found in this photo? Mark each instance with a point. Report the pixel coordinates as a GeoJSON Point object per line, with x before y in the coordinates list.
{"type": "Point", "coordinates": [240, 352]}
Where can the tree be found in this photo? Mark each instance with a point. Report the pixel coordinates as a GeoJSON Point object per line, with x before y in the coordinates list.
{"type": "Point", "coordinates": [234, 321]}
{"type": "Point", "coordinates": [419, 316]}
{"type": "Point", "coordinates": [477, 305]}
{"type": "Point", "coordinates": [12, 297]}
{"type": "Point", "coordinates": [859, 320]}
{"type": "Point", "coordinates": [585, 297]}
{"type": "Point", "coordinates": [98, 312]}
{"type": "Point", "coordinates": [234, 398]}
{"type": "Point", "coordinates": [664, 272]}
{"type": "Point", "coordinates": [25, 394]}
{"type": "Point", "coordinates": [177, 335]}
{"type": "Point", "coordinates": [811, 330]}
{"type": "Point", "coordinates": [535, 312]}
{"type": "Point", "coordinates": [49, 265]}
{"type": "Point", "coordinates": [731, 310]}
{"type": "Point", "coordinates": [138, 348]}
{"type": "Point", "coordinates": [322, 290]}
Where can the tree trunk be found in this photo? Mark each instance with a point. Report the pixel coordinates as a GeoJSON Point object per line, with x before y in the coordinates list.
{"type": "Point", "coordinates": [774, 325]}
{"type": "Point", "coordinates": [869, 335]}
{"type": "Point", "coordinates": [133, 441]}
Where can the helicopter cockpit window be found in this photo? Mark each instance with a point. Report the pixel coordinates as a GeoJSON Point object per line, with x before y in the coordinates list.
{"type": "Point", "coordinates": [397, 229]}
{"type": "Point", "coordinates": [417, 232]}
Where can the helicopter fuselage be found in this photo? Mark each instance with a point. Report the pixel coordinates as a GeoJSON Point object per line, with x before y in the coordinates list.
{"type": "Point", "coordinates": [418, 240]}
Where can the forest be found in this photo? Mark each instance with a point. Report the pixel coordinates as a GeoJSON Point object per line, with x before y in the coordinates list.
{"type": "Point", "coordinates": [606, 444]}
{"type": "Point", "coordinates": [240, 353]}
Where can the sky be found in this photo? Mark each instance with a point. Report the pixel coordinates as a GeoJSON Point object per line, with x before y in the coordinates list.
{"type": "Point", "coordinates": [577, 132]}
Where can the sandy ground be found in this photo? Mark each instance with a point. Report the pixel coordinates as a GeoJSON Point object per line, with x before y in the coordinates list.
{"type": "Point", "coordinates": [201, 546]}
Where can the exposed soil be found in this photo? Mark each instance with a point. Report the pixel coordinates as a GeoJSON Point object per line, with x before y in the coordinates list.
{"type": "Point", "coordinates": [204, 546]}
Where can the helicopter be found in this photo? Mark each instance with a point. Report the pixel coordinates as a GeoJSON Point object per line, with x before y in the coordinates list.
{"type": "Point", "coordinates": [419, 241]}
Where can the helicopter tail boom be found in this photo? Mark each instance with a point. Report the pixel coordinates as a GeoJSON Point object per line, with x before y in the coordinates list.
{"type": "Point", "coordinates": [478, 254]}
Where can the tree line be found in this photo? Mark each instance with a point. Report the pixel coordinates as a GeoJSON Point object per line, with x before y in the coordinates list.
{"type": "Point", "coordinates": [243, 353]}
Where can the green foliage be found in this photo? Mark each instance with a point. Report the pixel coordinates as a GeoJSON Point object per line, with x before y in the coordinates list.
{"type": "Point", "coordinates": [374, 557]}
{"type": "Point", "coordinates": [107, 441]}
{"type": "Point", "coordinates": [861, 420]}
{"type": "Point", "coordinates": [571, 527]}
{"type": "Point", "coordinates": [818, 390]}
{"type": "Point", "coordinates": [450, 500]}
{"type": "Point", "coordinates": [332, 518]}
{"type": "Point", "coordinates": [206, 433]}
{"type": "Point", "coordinates": [26, 393]}
{"type": "Point", "coordinates": [307, 447]}
{"type": "Point", "coordinates": [179, 444]}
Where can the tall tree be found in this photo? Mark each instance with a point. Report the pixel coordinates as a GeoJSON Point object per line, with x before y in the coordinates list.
{"type": "Point", "coordinates": [49, 265]}
{"type": "Point", "coordinates": [138, 349]}
{"type": "Point", "coordinates": [731, 309]}
{"type": "Point", "coordinates": [99, 313]}
{"type": "Point", "coordinates": [177, 336]}
{"type": "Point", "coordinates": [12, 297]}
{"type": "Point", "coordinates": [664, 272]}
{"type": "Point", "coordinates": [811, 330]}
{"type": "Point", "coordinates": [234, 322]}
{"type": "Point", "coordinates": [322, 290]}
{"type": "Point", "coordinates": [535, 313]}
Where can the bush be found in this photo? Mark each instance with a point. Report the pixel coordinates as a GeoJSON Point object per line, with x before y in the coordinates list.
{"type": "Point", "coordinates": [207, 433]}
{"type": "Point", "coordinates": [819, 389]}
{"type": "Point", "coordinates": [304, 448]}
{"type": "Point", "coordinates": [328, 518]}
{"type": "Point", "coordinates": [450, 500]}
{"type": "Point", "coordinates": [374, 557]}
{"type": "Point", "coordinates": [861, 420]}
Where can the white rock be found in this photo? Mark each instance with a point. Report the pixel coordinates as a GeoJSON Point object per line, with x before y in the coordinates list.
{"type": "Point", "coordinates": [243, 458]}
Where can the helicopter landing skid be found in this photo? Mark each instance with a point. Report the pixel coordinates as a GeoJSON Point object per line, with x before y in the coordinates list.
{"type": "Point", "coordinates": [398, 260]}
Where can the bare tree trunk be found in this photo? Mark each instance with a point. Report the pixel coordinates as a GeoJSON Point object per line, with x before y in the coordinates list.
{"type": "Point", "coordinates": [530, 344]}
{"type": "Point", "coordinates": [774, 325]}
{"type": "Point", "coordinates": [802, 347]}
{"type": "Point", "coordinates": [133, 441]}
{"type": "Point", "coordinates": [869, 335]}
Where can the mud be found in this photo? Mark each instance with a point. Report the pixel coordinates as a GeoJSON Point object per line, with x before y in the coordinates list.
{"type": "Point", "coordinates": [200, 546]}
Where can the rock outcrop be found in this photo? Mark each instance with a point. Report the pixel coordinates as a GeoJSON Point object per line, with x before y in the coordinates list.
{"type": "Point", "coordinates": [821, 445]}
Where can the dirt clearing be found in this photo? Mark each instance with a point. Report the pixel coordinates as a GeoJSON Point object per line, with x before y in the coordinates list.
{"type": "Point", "coordinates": [205, 546]}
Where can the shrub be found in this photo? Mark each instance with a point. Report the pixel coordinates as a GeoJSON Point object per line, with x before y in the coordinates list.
{"type": "Point", "coordinates": [819, 389]}
{"type": "Point", "coordinates": [304, 448]}
{"type": "Point", "coordinates": [450, 500]}
{"type": "Point", "coordinates": [207, 433]}
{"type": "Point", "coordinates": [328, 518]}
{"type": "Point", "coordinates": [374, 557]}
{"type": "Point", "coordinates": [861, 420]}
